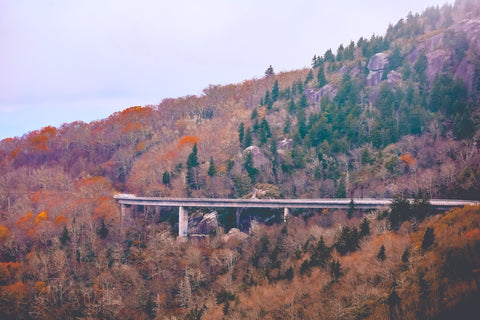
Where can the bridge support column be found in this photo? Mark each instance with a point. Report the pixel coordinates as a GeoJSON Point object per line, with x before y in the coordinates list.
{"type": "Point", "coordinates": [182, 222]}
{"type": "Point", "coordinates": [286, 212]}
{"type": "Point", "coordinates": [123, 210]}
{"type": "Point", "coordinates": [122, 213]}
{"type": "Point", "coordinates": [237, 216]}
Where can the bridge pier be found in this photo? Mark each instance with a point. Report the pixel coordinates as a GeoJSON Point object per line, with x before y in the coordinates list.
{"type": "Point", "coordinates": [123, 210]}
{"type": "Point", "coordinates": [125, 215]}
{"type": "Point", "coordinates": [182, 222]}
{"type": "Point", "coordinates": [286, 212]}
{"type": "Point", "coordinates": [237, 216]}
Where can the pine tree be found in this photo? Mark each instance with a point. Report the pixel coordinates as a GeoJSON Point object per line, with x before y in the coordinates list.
{"type": "Point", "coordinates": [288, 123]}
{"type": "Point", "coordinates": [351, 209]}
{"type": "Point", "coordinates": [428, 239]}
{"type": "Point", "coordinates": [269, 72]}
{"type": "Point", "coordinates": [309, 77]}
{"type": "Point", "coordinates": [400, 211]}
{"type": "Point", "coordinates": [364, 228]}
{"type": "Point", "coordinates": [65, 237]}
{"type": "Point", "coordinates": [381, 256]}
{"type": "Point", "coordinates": [250, 168]}
{"type": "Point", "coordinates": [292, 108]}
{"type": "Point", "coordinates": [268, 100]}
{"type": "Point", "coordinates": [254, 114]}
{"type": "Point", "coordinates": [103, 231]}
{"type": "Point", "coordinates": [241, 135]}
{"type": "Point", "coordinates": [248, 138]}
{"type": "Point", "coordinates": [321, 254]}
{"type": "Point", "coordinates": [406, 256]}
{"type": "Point", "coordinates": [192, 169]}
{"type": "Point", "coordinates": [211, 168]}
{"type": "Point", "coordinates": [275, 91]}
{"type": "Point", "coordinates": [321, 80]}
{"type": "Point", "coordinates": [192, 160]}
{"type": "Point", "coordinates": [264, 131]}
{"type": "Point", "coordinates": [329, 56]}
{"type": "Point", "coordinates": [341, 191]}
{"type": "Point", "coordinates": [289, 274]}
{"type": "Point", "coordinates": [335, 270]}
{"type": "Point", "coordinates": [166, 178]}
{"type": "Point", "coordinates": [303, 102]}
{"type": "Point", "coordinates": [314, 61]}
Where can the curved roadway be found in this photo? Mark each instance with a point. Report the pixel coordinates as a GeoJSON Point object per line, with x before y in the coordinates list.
{"type": "Point", "coordinates": [360, 203]}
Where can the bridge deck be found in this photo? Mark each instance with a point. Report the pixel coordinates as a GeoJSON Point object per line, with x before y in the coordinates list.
{"type": "Point", "coordinates": [360, 203]}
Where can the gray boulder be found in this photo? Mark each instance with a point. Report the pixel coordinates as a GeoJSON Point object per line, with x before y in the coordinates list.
{"type": "Point", "coordinates": [376, 66]}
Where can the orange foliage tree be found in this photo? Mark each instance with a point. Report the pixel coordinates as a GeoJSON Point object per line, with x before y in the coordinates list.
{"type": "Point", "coordinates": [106, 209]}
{"type": "Point", "coordinates": [187, 140]}
{"type": "Point", "coordinates": [408, 159]}
{"type": "Point", "coordinates": [4, 232]}
{"type": "Point", "coordinates": [60, 219]}
{"type": "Point", "coordinates": [42, 216]}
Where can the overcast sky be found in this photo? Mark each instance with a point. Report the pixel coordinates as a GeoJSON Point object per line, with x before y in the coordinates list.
{"type": "Point", "coordinates": [68, 60]}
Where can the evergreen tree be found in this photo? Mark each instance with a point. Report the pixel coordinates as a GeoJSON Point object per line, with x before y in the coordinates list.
{"type": "Point", "coordinates": [303, 102]}
{"type": "Point", "coordinates": [250, 168]}
{"type": "Point", "coordinates": [341, 191]}
{"type": "Point", "coordinates": [103, 231]}
{"type": "Point", "coordinates": [335, 270]}
{"type": "Point", "coordinates": [421, 206]}
{"type": "Point", "coordinates": [351, 209]}
{"type": "Point", "coordinates": [192, 169]}
{"type": "Point", "coordinates": [275, 91]}
{"type": "Point", "coordinates": [329, 56]}
{"type": "Point", "coordinates": [286, 128]}
{"type": "Point", "coordinates": [268, 100]}
{"type": "Point", "coordinates": [400, 211]}
{"type": "Point", "coordinates": [264, 131]}
{"type": "Point", "coordinates": [269, 72]}
{"type": "Point", "coordinates": [248, 138]}
{"type": "Point", "coordinates": [241, 135]}
{"type": "Point", "coordinates": [211, 168]}
{"type": "Point", "coordinates": [405, 256]}
{"type": "Point", "coordinates": [292, 108]}
{"type": "Point", "coordinates": [340, 53]}
{"type": "Point", "coordinates": [347, 241]}
{"type": "Point", "coordinates": [364, 228]}
{"type": "Point", "coordinates": [65, 236]}
{"type": "Point", "coordinates": [166, 178]}
{"type": "Point", "coordinates": [192, 160]}
{"type": "Point", "coordinates": [315, 61]}
{"type": "Point", "coordinates": [309, 77]}
{"type": "Point", "coordinates": [289, 274]}
{"type": "Point", "coordinates": [321, 80]}
{"type": "Point", "coordinates": [302, 124]}
{"type": "Point", "coordinates": [428, 239]}
{"type": "Point", "coordinates": [254, 114]}
{"type": "Point", "coordinates": [321, 254]}
{"type": "Point", "coordinates": [381, 256]}
{"type": "Point", "coordinates": [393, 302]}
{"type": "Point", "coordinates": [305, 267]}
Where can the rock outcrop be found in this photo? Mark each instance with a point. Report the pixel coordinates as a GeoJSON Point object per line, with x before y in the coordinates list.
{"type": "Point", "coordinates": [315, 95]}
{"type": "Point", "coordinates": [376, 66]}
{"type": "Point", "coordinates": [203, 223]}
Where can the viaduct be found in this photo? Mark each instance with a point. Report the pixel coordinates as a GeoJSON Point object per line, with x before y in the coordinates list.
{"type": "Point", "coordinates": [126, 200]}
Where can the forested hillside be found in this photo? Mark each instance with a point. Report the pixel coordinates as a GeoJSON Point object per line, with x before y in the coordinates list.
{"type": "Point", "coordinates": [395, 115]}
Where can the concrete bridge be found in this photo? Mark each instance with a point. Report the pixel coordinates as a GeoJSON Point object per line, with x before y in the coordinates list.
{"type": "Point", "coordinates": [286, 204]}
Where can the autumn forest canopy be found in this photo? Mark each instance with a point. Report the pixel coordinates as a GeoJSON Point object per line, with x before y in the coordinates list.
{"type": "Point", "coordinates": [392, 116]}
